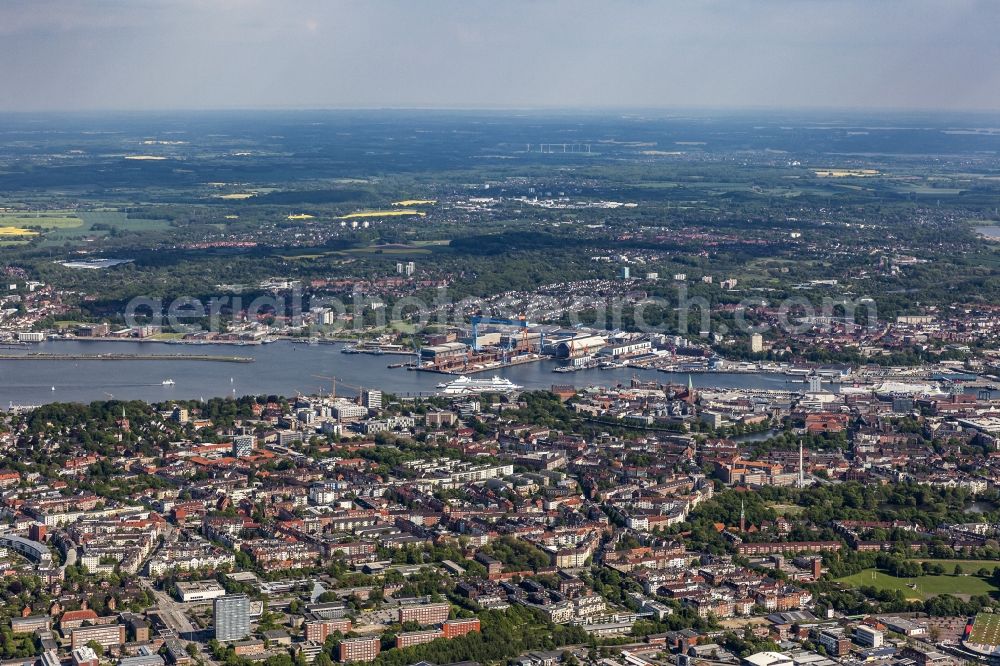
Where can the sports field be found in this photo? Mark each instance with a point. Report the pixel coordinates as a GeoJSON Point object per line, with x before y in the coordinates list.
{"type": "Point", "coordinates": [921, 587]}
{"type": "Point", "coordinates": [985, 629]}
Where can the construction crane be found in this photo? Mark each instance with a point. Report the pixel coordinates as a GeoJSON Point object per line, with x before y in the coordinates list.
{"type": "Point", "coordinates": [333, 384]}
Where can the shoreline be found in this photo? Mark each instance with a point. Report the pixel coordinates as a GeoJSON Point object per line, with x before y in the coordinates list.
{"type": "Point", "coordinates": [45, 356]}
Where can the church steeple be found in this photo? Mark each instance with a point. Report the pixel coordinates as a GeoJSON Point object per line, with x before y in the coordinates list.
{"type": "Point", "coordinates": [123, 423]}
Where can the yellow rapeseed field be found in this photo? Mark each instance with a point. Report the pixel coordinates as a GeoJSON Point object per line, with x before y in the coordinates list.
{"type": "Point", "coordinates": [844, 173]}
{"type": "Point", "coordinates": [383, 213]}
{"type": "Point", "coordinates": [16, 231]}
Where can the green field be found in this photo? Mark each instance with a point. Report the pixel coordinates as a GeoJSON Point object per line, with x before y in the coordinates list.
{"type": "Point", "coordinates": [395, 250]}
{"type": "Point", "coordinates": [48, 219]}
{"type": "Point", "coordinates": [970, 566]}
{"type": "Point", "coordinates": [986, 629]}
{"type": "Point", "coordinates": [787, 509]}
{"type": "Point", "coordinates": [100, 223]}
{"type": "Point", "coordinates": [924, 586]}
{"type": "Point", "coordinates": [58, 226]}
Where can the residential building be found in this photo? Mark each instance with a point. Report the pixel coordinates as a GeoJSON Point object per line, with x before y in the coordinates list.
{"type": "Point", "coordinates": [425, 613]}
{"type": "Point", "coordinates": [359, 649]}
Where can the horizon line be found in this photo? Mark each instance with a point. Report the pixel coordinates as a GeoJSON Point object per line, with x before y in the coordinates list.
{"type": "Point", "coordinates": [598, 109]}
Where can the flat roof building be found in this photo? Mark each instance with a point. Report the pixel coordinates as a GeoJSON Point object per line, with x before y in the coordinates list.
{"type": "Point", "coordinates": [359, 649]}
{"type": "Point", "coordinates": [200, 590]}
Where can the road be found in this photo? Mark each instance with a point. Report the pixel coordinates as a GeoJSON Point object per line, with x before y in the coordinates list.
{"type": "Point", "coordinates": [172, 612]}
{"type": "Point", "coordinates": [174, 616]}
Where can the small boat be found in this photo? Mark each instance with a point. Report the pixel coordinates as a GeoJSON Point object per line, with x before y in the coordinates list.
{"type": "Point", "coordinates": [168, 382]}
{"type": "Point", "coordinates": [53, 388]}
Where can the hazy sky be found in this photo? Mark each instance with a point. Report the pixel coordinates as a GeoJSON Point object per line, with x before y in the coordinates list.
{"type": "Point", "coordinates": [193, 54]}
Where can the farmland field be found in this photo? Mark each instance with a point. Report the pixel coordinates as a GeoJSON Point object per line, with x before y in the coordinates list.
{"type": "Point", "coordinates": [99, 223]}
{"type": "Point", "coordinates": [16, 231]}
{"type": "Point", "coordinates": [383, 213]}
{"type": "Point", "coordinates": [42, 219]}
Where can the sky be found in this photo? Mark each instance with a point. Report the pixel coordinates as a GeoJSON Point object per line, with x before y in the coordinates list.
{"type": "Point", "coordinates": [211, 54]}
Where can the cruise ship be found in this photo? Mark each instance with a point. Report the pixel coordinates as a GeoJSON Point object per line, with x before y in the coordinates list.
{"type": "Point", "coordinates": [465, 385]}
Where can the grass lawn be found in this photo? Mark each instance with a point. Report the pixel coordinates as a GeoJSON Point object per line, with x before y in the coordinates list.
{"type": "Point", "coordinates": [926, 586]}
{"type": "Point", "coordinates": [166, 336]}
{"type": "Point", "coordinates": [787, 509]}
{"type": "Point", "coordinates": [403, 326]}
{"type": "Point", "coordinates": [970, 566]}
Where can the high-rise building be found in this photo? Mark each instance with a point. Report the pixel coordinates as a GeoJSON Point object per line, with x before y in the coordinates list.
{"type": "Point", "coordinates": [243, 446]}
{"type": "Point", "coordinates": [756, 343]}
{"type": "Point", "coordinates": [232, 617]}
{"type": "Point", "coordinates": [371, 399]}
{"type": "Point", "coordinates": [410, 268]}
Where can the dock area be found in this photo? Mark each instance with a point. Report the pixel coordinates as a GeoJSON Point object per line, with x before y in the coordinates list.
{"type": "Point", "coordinates": [456, 370]}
